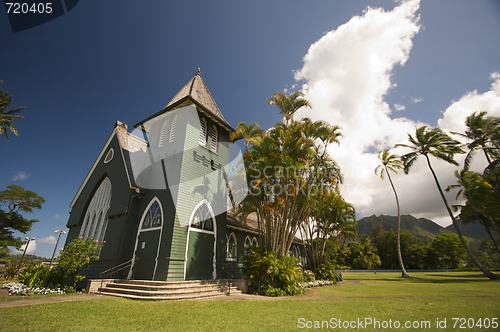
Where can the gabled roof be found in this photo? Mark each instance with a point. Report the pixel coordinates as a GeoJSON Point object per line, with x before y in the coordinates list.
{"type": "Point", "coordinates": [196, 91]}
{"type": "Point", "coordinates": [128, 143]}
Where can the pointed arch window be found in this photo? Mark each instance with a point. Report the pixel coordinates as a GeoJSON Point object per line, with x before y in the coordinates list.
{"type": "Point", "coordinates": [153, 216]}
{"type": "Point", "coordinates": [248, 242]}
{"type": "Point", "coordinates": [255, 242]}
{"type": "Point", "coordinates": [96, 215]}
{"type": "Point", "coordinates": [202, 218]}
{"type": "Point", "coordinates": [172, 129]}
{"type": "Point", "coordinates": [213, 143]}
{"type": "Point", "coordinates": [231, 247]}
{"type": "Point", "coordinates": [162, 134]}
{"type": "Point", "coordinates": [203, 132]}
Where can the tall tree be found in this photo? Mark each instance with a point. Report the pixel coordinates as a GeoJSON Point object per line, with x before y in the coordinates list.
{"type": "Point", "coordinates": [250, 133]}
{"type": "Point", "coordinates": [435, 142]}
{"type": "Point", "coordinates": [288, 105]}
{"type": "Point", "coordinates": [286, 167]}
{"type": "Point", "coordinates": [391, 163]}
{"type": "Point", "coordinates": [481, 132]}
{"type": "Point", "coordinates": [330, 218]}
{"type": "Point", "coordinates": [6, 117]}
{"type": "Point", "coordinates": [13, 201]}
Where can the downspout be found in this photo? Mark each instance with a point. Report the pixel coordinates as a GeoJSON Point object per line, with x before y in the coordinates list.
{"type": "Point", "coordinates": [123, 227]}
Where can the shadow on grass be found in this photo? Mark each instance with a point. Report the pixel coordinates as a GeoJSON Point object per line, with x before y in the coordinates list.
{"type": "Point", "coordinates": [429, 278]}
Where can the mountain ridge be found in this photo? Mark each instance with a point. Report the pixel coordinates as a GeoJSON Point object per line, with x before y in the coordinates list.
{"type": "Point", "coordinates": [422, 228]}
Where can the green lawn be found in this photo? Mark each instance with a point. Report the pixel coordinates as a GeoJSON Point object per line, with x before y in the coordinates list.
{"type": "Point", "coordinates": [424, 299]}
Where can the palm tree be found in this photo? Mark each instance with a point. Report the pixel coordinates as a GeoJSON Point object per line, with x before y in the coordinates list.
{"type": "Point", "coordinates": [482, 132]}
{"type": "Point", "coordinates": [250, 133]}
{"type": "Point", "coordinates": [391, 162]}
{"type": "Point", "coordinates": [288, 105]}
{"type": "Point", "coordinates": [6, 117]}
{"type": "Point", "coordinates": [482, 201]}
{"type": "Point", "coordinates": [436, 143]}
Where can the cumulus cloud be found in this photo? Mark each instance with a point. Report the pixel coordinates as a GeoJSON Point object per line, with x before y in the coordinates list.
{"type": "Point", "coordinates": [31, 248]}
{"type": "Point", "coordinates": [455, 115]}
{"type": "Point", "coordinates": [19, 176]}
{"type": "Point", "coordinates": [49, 240]}
{"type": "Point", "coordinates": [399, 107]}
{"type": "Point", "coordinates": [345, 76]}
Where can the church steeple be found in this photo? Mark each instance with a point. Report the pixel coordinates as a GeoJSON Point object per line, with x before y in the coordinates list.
{"type": "Point", "coordinates": [196, 91]}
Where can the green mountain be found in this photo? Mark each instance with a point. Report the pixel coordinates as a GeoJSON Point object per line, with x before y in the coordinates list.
{"type": "Point", "coordinates": [423, 229]}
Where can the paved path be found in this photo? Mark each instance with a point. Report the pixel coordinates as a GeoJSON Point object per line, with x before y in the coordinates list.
{"type": "Point", "coordinates": [52, 300]}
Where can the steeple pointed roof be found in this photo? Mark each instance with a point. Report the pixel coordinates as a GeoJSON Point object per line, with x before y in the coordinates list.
{"type": "Point", "coordinates": [196, 91]}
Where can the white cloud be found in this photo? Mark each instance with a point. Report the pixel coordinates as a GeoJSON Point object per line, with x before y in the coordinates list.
{"type": "Point", "coordinates": [417, 99]}
{"type": "Point", "coordinates": [19, 176]}
{"type": "Point", "coordinates": [57, 216]}
{"type": "Point", "coordinates": [454, 117]}
{"type": "Point", "coordinates": [31, 248]}
{"type": "Point", "coordinates": [399, 107]}
{"type": "Point", "coordinates": [346, 75]}
{"type": "Point", "coordinates": [49, 240]}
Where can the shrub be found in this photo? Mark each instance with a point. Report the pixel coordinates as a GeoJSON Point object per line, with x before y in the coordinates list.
{"type": "Point", "coordinates": [270, 275]}
{"type": "Point", "coordinates": [39, 276]}
{"type": "Point", "coordinates": [77, 254]}
{"type": "Point", "coordinates": [327, 272]}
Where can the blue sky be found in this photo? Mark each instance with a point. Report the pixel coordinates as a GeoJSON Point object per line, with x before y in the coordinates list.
{"type": "Point", "coordinates": [411, 63]}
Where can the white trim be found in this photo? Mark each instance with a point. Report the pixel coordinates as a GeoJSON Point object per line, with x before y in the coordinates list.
{"type": "Point", "coordinates": [139, 230]}
{"type": "Point", "coordinates": [232, 259]}
{"type": "Point", "coordinates": [93, 168]}
{"type": "Point", "coordinates": [214, 273]}
{"type": "Point", "coordinates": [194, 229]}
{"type": "Point", "coordinates": [245, 242]}
{"type": "Point", "coordinates": [110, 154]}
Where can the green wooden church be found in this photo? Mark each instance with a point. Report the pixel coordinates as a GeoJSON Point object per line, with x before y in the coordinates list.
{"type": "Point", "coordinates": [157, 196]}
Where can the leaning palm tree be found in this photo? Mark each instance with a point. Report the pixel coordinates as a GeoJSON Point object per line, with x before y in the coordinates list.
{"type": "Point", "coordinates": [391, 162]}
{"type": "Point", "coordinates": [436, 143]}
{"type": "Point", "coordinates": [481, 132]}
{"type": "Point", "coordinates": [6, 117]}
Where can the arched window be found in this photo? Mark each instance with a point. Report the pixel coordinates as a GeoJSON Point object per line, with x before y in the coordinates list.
{"type": "Point", "coordinates": [172, 129]}
{"type": "Point", "coordinates": [255, 242]}
{"type": "Point", "coordinates": [153, 215]}
{"type": "Point", "coordinates": [162, 134]}
{"type": "Point", "coordinates": [231, 247]}
{"type": "Point", "coordinates": [202, 218]}
{"type": "Point", "coordinates": [248, 242]}
{"type": "Point", "coordinates": [109, 156]}
{"type": "Point", "coordinates": [213, 143]}
{"type": "Point", "coordinates": [203, 132]}
{"type": "Point", "coordinates": [95, 216]}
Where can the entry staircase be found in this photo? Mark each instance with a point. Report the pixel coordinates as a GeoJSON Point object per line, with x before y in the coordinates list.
{"type": "Point", "coordinates": [164, 290]}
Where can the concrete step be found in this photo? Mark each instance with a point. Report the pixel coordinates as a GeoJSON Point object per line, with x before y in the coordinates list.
{"type": "Point", "coordinates": [169, 298]}
{"type": "Point", "coordinates": [167, 290]}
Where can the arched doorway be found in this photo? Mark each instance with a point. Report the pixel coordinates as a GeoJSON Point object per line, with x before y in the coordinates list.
{"type": "Point", "coordinates": [147, 245]}
{"type": "Point", "coordinates": [201, 244]}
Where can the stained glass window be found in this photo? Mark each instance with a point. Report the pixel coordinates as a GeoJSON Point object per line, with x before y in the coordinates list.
{"type": "Point", "coordinates": [153, 216]}
{"type": "Point", "coordinates": [231, 247]}
{"type": "Point", "coordinates": [202, 218]}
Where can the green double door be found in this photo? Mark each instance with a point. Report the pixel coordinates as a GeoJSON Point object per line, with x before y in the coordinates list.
{"type": "Point", "coordinates": [200, 256]}
{"type": "Point", "coordinates": [146, 254]}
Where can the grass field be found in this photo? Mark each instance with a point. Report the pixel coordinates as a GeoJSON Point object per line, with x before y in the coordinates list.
{"type": "Point", "coordinates": [386, 300]}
